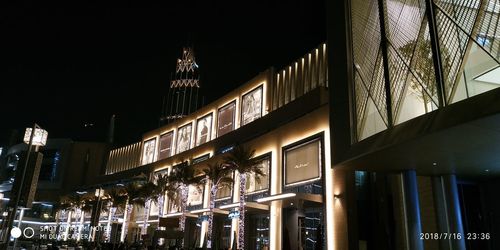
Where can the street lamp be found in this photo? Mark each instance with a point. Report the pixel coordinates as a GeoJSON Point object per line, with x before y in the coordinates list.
{"type": "Point", "coordinates": [36, 138]}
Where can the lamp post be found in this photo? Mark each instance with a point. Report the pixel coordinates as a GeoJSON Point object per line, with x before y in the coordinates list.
{"type": "Point", "coordinates": [34, 136]}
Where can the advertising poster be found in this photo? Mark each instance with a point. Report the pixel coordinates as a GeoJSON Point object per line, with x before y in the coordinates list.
{"type": "Point", "coordinates": [203, 129]}
{"type": "Point", "coordinates": [251, 106]}
{"type": "Point", "coordinates": [166, 142]}
{"type": "Point", "coordinates": [253, 185]}
{"type": "Point", "coordinates": [303, 162]}
{"type": "Point", "coordinates": [225, 119]}
{"type": "Point", "coordinates": [148, 151]}
{"type": "Point", "coordinates": [224, 193]}
{"type": "Point", "coordinates": [184, 138]}
{"type": "Point", "coordinates": [195, 195]}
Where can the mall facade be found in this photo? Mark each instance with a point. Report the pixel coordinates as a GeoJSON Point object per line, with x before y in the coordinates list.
{"type": "Point", "coordinates": [283, 115]}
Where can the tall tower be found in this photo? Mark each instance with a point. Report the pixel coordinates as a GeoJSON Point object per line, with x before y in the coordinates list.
{"type": "Point", "coordinates": [183, 94]}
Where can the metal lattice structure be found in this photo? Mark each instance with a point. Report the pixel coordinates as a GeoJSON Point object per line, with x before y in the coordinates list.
{"type": "Point", "coordinates": [414, 56]}
{"type": "Point", "coordinates": [183, 95]}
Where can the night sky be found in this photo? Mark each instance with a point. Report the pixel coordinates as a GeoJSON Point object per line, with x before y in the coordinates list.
{"type": "Point", "coordinates": [67, 67]}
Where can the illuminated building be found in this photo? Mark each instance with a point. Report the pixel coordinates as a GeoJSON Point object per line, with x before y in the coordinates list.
{"type": "Point", "coordinates": [284, 116]}
{"type": "Point", "coordinates": [414, 115]}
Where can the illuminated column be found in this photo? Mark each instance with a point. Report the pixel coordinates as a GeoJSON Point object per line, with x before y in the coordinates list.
{"type": "Point", "coordinates": [80, 228]}
{"type": "Point", "coordinates": [447, 206]}
{"type": "Point", "coordinates": [275, 229]}
{"type": "Point", "coordinates": [344, 235]}
{"type": "Point", "coordinates": [68, 225]}
{"type": "Point", "coordinates": [329, 195]}
{"type": "Point", "coordinates": [412, 208]}
{"type": "Point", "coordinates": [125, 221]}
{"type": "Point", "coordinates": [112, 211]}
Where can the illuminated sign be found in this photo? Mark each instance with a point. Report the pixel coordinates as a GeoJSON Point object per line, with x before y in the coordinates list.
{"type": "Point", "coordinates": [234, 214]}
{"type": "Point", "coordinates": [225, 119]}
{"type": "Point", "coordinates": [203, 129]}
{"type": "Point", "coordinates": [148, 151]}
{"type": "Point", "coordinates": [166, 147]}
{"type": "Point", "coordinates": [39, 138]}
{"type": "Point", "coordinates": [251, 106]}
{"type": "Point", "coordinates": [184, 138]}
{"type": "Point", "coordinates": [302, 163]}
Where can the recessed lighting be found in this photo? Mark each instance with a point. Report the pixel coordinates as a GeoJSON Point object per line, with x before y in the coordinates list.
{"type": "Point", "coordinates": [291, 204]}
{"type": "Point", "coordinates": [487, 170]}
{"type": "Point", "coordinates": [434, 164]}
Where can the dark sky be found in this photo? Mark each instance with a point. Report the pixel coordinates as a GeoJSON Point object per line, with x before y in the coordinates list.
{"type": "Point", "coordinates": [64, 67]}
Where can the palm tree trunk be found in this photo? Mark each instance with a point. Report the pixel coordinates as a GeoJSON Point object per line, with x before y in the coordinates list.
{"type": "Point", "coordinates": [184, 197]}
{"type": "Point", "coordinates": [80, 227]}
{"type": "Point", "coordinates": [58, 214]}
{"type": "Point", "coordinates": [68, 225]}
{"type": "Point", "coordinates": [112, 212]}
{"type": "Point", "coordinates": [161, 203]}
{"type": "Point", "coordinates": [146, 213]}
{"type": "Point", "coordinates": [241, 227]}
{"type": "Point", "coordinates": [213, 193]}
{"type": "Point", "coordinates": [126, 219]}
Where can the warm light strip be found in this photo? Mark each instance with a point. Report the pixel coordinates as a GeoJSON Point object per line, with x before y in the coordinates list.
{"type": "Point", "coordinates": [200, 211]}
{"type": "Point", "coordinates": [173, 215]}
{"type": "Point", "coordinates": [37, 222]}
{"type": "Point", "coordinates": [276, 197]}
{"type": "Point", "coordinates": [230, 205]}
{"type": "Point", "coordinates": [149, 221]}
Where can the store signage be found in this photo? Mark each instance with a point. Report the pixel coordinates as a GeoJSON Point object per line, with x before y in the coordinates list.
{"type": "Point", "coordinates": [234, 214]}
{"type": "Point", "coordinates": [202, 218]}
{"type": "Point", "coordinates": [303, 162]}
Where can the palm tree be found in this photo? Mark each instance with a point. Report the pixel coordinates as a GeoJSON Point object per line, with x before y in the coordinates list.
{"type": "Point", "coordinates": [178, 182]}
{"type": "Point", "coordinates": [219, 176]}
{"type": "Point", "coordinates": [116, 199]}
{"type": "Point", "coordinates": [62, 205]}
{"type": "Point", "coordinates": [135, 196]}
{"type": "Point", "coordinates": [77, 203]}
{"type": "Point", "coordinates": [242, 160]}
{"type": "Point", "coordinates": [161, 189]}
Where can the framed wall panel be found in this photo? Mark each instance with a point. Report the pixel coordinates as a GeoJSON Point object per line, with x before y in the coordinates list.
{"type": "Point", "coordinates": [226, 119]}
{"type": "Point", "coordinates": [195, 195]}
{"type": "Point", "coordinates": [166, 145]}
{"type": "Point", "coordinates": [254, 186]}
{"type": "Point", "coordinates": [184, 138]}
{"type": "Point", "coordinates": [251, 105]}
{"type": "Point", "coordinates": [204, 129]}
{"type": "Point", "coordinates": [302, 162]}
{"type": "Point", "coordinates": [148, 152]}
{"type": "Point", "coordinates": [225, 193]}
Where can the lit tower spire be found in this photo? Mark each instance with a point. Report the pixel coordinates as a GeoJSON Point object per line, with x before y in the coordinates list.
{"type": "Point", "coordinates": [182, 98]}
